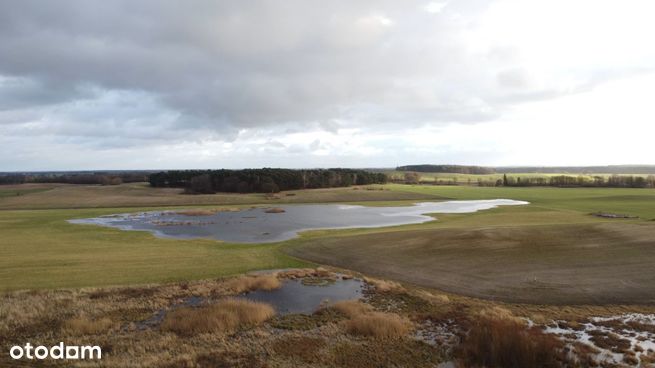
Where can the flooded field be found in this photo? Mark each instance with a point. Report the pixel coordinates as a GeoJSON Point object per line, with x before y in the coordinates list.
{"type": "Point", "coordinates": [262, 225]}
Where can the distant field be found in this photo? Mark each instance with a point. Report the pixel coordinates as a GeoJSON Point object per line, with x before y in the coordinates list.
{"type": "Point", "coordinates": [39, 249]}
{"type": "Point", "coordinates": [45, 196]}
{"type": "Point", "coordinates": [18, 190]}
{"type": "Point", "coordinates": [552, 248]}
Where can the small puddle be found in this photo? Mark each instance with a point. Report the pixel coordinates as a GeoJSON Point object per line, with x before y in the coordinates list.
{"type": "Point", "coordinates": [297, 297]}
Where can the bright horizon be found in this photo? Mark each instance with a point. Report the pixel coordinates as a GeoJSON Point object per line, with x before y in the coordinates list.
{"type": "Point", "coordinates": [88, 85]}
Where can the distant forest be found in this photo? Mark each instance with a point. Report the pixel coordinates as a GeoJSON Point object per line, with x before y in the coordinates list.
{"type": "Point", "coordinates": [269, 180]}
{"type": "Point", "coordinates": [590, 178]}
{"type": "Point", "coordinates": [451, 169]}
{"type": "Point", "coordinates": [614, 181]}
{"type": "Point", "coordinates": [84, 177]}
{"type": "Point", "coordinates": [481, 170]}
{"type": "Point", "coordinates": [262, 180]}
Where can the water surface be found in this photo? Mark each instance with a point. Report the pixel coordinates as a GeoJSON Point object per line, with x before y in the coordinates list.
{"type": "Point", "coordinates": [295, 297]}
{"type": "Point", "coordinates": [256, 225]}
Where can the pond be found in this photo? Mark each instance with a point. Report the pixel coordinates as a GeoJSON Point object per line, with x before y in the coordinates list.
{"type": "Point", "coordinates": [297, 297]}
{"type": "Point", "coordinates": [294, 296]}
{"type": "Point", "coordinates": [265, 225]}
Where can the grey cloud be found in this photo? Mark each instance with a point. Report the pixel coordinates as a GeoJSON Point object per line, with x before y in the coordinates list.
{"type": "Point", "coordinates": [22, 92]}
{"type": "Point", "coordinates": [225, 65]}
{"type": "Point", "coordinates": [124, 73]}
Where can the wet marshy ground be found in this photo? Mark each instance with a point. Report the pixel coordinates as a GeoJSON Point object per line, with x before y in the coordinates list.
{"type": "Point", "coordinates": [319, 317]}
{"type": "Point", "coordinates": [622, 339]}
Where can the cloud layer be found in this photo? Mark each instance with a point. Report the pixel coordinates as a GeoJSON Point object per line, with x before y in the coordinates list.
{"type": "Point", "coordinates": [263, 82]}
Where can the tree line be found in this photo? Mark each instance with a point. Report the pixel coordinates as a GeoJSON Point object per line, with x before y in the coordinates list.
{"type": "Point", "coordinates": [613, 181]}
{"type": "Point", "coordinates": [102, 178]}
{"type": "Point", "coordinates": [265, 180]}
{"type": "Point", "coordinates": [575, 170]}
{"type": "Point", "coordinates": [451, 169]}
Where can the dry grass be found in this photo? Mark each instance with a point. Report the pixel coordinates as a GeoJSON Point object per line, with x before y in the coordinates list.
{"type": "Point", "coordinates": [384, 286]}
{"type": "Point", "coordinates": [297, 273]}
{"type": "Point", "coordinates": [352, 308]}
{"type": "Point", "coordinates": [648, 358]}
{"type": "Point", "coordinates": [304, 349]}
{"type": "Point", "coordinates": [21, 308]}
{"type": "Point", "coordinates": [499, 314]}
{"type": "Point", "coordinates": [378, 325]}
{"type": "Point", "coordinates": [433, 297]}
{"type": "Point", "coordinates": [205, 212]}
{"type": "Point", "coordinates": [507, 343]}
{"type": "Point", "coordinates": [385, 353]}
{"type": "Point", "coordinates": [217, 359]}
{"type": "Point", "coordinates": [610, 341]}
{"type": "Point", "coordinates": [41, 316]}
{"type": "Point", "coordinates": [226, 316]}
{"type": "Point", "coordinates": [364, 321]}
{"type": "Point", "coordinates": [86, 326]}
{"type": "Point", "coordinates": [275, 210]}
{"type": "Point", "coordinates": [251, 283]}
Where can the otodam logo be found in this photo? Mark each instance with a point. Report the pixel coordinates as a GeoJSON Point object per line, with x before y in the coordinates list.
{"type": "Point", "coordinates": [56, 352]}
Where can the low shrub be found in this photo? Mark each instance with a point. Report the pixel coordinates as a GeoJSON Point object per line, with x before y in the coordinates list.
{"type": "Point", "coordinates": [218, 359]}
{"type": "Point", "coordinates": [505, 342]}
{"type": "Point", "coordinates": [384, 353]}
{"type": "Point", "coordinates": [305, 349]}
{"type": "Point", "coordinates": [378, 325]}
{"type": "Point", "coordinates": [251, 283]}
{"type": "Point", "coordinates": [352, 308]}
{"type": "Point", "coordinates": [384, 286]}
{"type": "Point", "coordinates": [226, 316]}
{"type": "Point", "coordinates": [86, 326]}
{"type": "Point", "coordinates": [610, 341]}
{"type": "Point", "coordinates": [498, 314]}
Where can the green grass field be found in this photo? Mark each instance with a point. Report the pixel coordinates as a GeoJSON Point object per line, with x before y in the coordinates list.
{"type": "Point", "coordinates": [637, 202]}
{"type": "Point", "coordinates": [39, 249]}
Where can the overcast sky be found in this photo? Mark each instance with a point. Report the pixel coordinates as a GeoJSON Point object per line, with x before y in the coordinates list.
{"type": "Point", "coordinates": [157, 84]}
